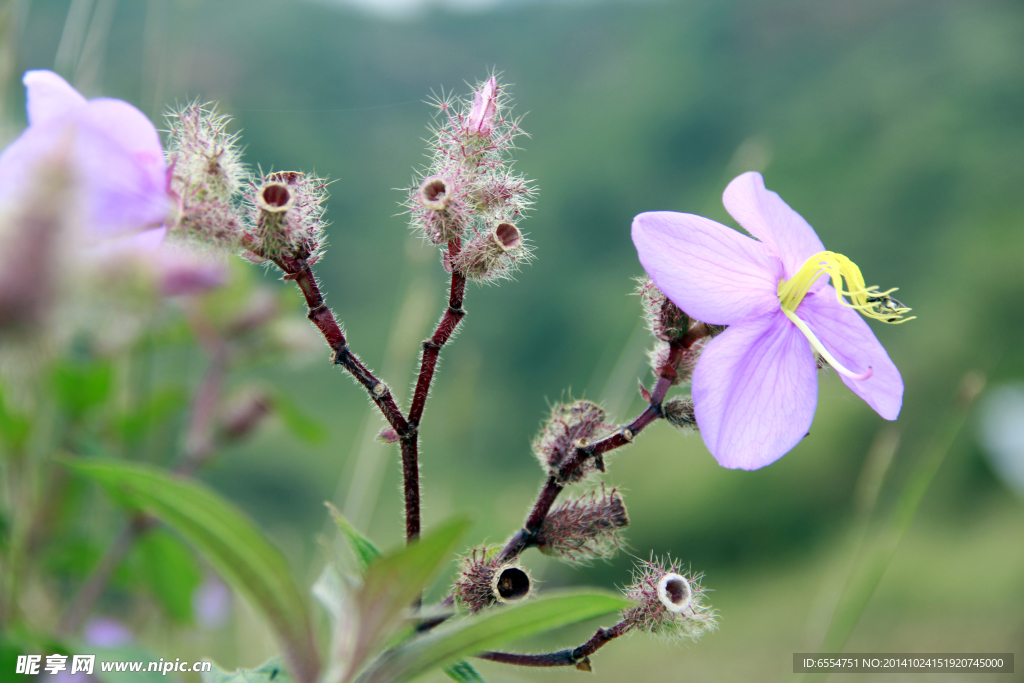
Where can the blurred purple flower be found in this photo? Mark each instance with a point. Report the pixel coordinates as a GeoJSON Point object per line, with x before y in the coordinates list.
{"type": "Point", "coordinates": [211, 603]}
{"type": "Point", "coordinates": [114, 152]}
{"type": "Point", "coordinates": [106, 632]}
{"type": "Point", "coordinates": [116, 164]}
{"type": "Point", "coordinates": [755, 386]}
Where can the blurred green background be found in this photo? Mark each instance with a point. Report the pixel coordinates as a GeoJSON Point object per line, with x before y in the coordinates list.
{"type": "Point", "coordinates": [895, 127]}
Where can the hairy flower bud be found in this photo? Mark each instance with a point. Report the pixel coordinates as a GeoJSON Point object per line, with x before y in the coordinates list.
{"type": "Point", "coordinates": [585, 528]}
{"type": "Point", "coordinates": [468, 187]}
{"type": "Point", "coordinates": [684, 365]}
{"type": "Point", "coordinates": [570, 425]}
{"type": "Point", "coordinates": [665, 320]}
{"type": "Point", "coordinates": [679, 413]}
{"type": "Point", "coordinates": [492, 255]}
{"type": "Point", "coordinates": [669, 603]}
{"type": "Point", "coordinates": [484, 581]}
{"type": "Point", "coordinates": [206, 175]}
{"type": "Point", "coordinates": [287, 211]}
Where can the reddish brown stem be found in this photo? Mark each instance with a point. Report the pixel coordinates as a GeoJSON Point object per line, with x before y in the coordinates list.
{"type": "Point", "coordinates": [578, 656]}
{"type": "Point", "coordinates": [431, 352]}
{"type": "Point", "coordinates": [527, 536]}
{"type": "Point", "coordinates": [321, 316]}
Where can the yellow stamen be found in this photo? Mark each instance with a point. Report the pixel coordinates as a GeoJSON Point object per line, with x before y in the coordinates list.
{"type": "Point", "coordinates": [844, 273]}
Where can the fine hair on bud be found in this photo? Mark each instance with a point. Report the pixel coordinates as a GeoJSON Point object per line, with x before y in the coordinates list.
{"type": "Point", "coordinates": [669, 601]}
{"type": "Point", "coordinates": [286, 211]}
{"type": "Point", "coordinates": [207, 175]}
{"type": "Point", "coordinates": [484, 581]}
{"type": "Point", "coordinates": [683, 367]}
{"type": "Point", "coordinates": [467, 199]}
{"type": "Point", "coordinates": [585, 528]}
{"type": "Point", "coordinates": [678, 411]}
{"type": "Point", "coordinates": [569, 426]}
{"type": "Point", "coordinates": [665, 320]}
{"type": "Point", "coordinates": [492, 255]}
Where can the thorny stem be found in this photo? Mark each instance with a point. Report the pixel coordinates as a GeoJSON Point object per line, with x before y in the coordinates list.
{"type": "Point", "coordinates": [578, 656]}
{"type": "Point", "coordinates": [431, 353]}
{"type": "Point", "coordinates": [527, 536]}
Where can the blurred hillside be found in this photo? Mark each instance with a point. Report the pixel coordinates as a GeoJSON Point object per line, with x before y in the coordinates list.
{"type": "Point", "coordinates": [894, 127]}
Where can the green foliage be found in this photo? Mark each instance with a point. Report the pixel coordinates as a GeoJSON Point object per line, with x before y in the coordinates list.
{"type": "Point", "coordinates": [123, 653]}
{"type": "Point", "coordinates": [489, 630]}
{"type": "Point", "coordinates": [463, 672]}
{"type": "Point", "coordinates": [362, 548]}
{"type": "Point", "coordinates": [298, 422]}
{"type": "Point", "coordinates": [224, 536]}
{"type": "Point", "coordinates": [273, 671]}
{"type": "Point", "coordinates": [14, 427]}
{"type": "Point", "coordinates": [394, 582]}
{"type": "Point", "coordinates": [135, 424]}
{"type": "Point", "coordinates": [170, 570]}
{"type": "Point", "coordinates": [78, 387]}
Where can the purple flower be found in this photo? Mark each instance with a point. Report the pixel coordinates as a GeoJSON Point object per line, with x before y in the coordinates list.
{"type": "Point", "coordinates": [755, 386]}
{"type": "Point", "coordinates": [114, 152]}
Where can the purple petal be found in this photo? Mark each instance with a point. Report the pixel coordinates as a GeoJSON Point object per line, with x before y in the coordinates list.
{"type": "Point", "coordinates": [754, 391]}
{"type": "Point", "coordinates": [847, 336]}
{"type": "Point", "coordinates": [131, 129]}
{"type": "Point", "coordinates": [49, 97]}
{"type": "Point", "coordinates": [106, 632]}
{"type": "Point", "coordinates": [765, 216]}
{"type": "Point", "coordinates": [712, 272]}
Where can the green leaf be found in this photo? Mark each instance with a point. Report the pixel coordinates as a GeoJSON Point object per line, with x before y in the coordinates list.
{"type": "Point", "coordinates": [170, 570]}
{"type": "Point", "coordinates": [362, 548]}
{"type": "Point", "coordinates": [480, 633]}
{"type": "Point", "coordinates": [298, 422]}
{"type": "Point", "coordinates": [271, 672]}
{"type": "Point", "coordinates": [394, 582]}
{"type": "Point", "coordinates": [228, 540]}
{"type": "Point", "coordinates": [463, 672]}
{"type": "Point", "coordinates": [135, 424]}
{"type": "Point", "coordinates": [79, 387]}
{"type": "Point", "coordinates": [14, 427]}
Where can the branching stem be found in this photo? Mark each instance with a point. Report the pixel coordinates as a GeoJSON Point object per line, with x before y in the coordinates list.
{"type": "Point", "coordinates": [577, 656]}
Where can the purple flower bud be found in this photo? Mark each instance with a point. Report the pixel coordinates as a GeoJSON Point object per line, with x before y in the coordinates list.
{"type": "Point", "coordinates": [678, 412]}
{"type": "Point", "coordinates": [388, 435]}
{"type": "Point", "coordinates": [483, 581]}
{"type": "Point", "coordinates": [585, 528]}
{"type": "Point", "coordinates": [485, 108]}
{"type": "Point", "coordinates": [570, 425]}
{"type": "Point", "coordinates": [669, 603]}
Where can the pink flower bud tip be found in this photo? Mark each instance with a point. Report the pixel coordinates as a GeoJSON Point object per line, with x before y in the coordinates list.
{"type": "Point", "coordinates": [485, 108]}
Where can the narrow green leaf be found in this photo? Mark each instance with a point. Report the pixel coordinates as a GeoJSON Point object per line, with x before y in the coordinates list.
{"type": "Point", "coordinates": [171, 572]}
{"type": "Point", "coordinates": [228, 540]}
{"type": "Point", "coordinates": [394, 582]}
{"type": "Point", "coordinates": [480, 633]}
{"type": "Point", "coordinates": [298, 422]}
{"type": "Point", "coordinates": [363, 548]}
{"type": "Point", "coordinates": [273, 671]}
{"type": "Point", "coordinates": [463, 672]}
